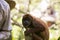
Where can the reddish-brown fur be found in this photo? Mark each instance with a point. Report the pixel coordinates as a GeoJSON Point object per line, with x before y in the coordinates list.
{"type": "Point", "coordinates": [38, 29]}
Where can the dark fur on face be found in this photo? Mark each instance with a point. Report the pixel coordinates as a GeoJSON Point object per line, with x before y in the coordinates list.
{"type": "Point", "coordinates": [27, 20]}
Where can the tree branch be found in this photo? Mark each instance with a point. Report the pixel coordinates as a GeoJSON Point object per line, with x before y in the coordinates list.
{"type": "Point", "coordinates": [16, 23]}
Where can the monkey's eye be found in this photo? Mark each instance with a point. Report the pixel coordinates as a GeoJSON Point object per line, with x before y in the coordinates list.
{"type": "Point", "coordinates": [26, 23]}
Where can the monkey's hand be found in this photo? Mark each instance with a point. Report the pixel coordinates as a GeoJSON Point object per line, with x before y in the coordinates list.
{"type": "Point", "coordinates": [28, 31]}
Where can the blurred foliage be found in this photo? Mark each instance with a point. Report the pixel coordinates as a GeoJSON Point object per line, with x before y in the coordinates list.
{"type": "Point", "coordinates": [24, 6]}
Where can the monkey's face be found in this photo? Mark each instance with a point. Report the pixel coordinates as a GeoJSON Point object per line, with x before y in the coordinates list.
{"type": "Point", "coordinates": [26, 21]}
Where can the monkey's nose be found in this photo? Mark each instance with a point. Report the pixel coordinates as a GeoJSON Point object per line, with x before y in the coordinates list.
{"type": "Point", "coordinates": [26, 22]}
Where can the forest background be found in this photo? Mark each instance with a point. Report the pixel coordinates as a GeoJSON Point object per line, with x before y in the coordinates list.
{"type": "Point", "coordinates": [27, 6]}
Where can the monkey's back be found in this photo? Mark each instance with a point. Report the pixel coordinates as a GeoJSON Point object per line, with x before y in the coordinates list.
{"type": "Point", "coordinates": [43, 34]}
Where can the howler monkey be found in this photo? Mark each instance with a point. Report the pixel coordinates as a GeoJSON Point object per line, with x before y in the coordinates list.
{"type": "Point", "coordinates": [35, 28]}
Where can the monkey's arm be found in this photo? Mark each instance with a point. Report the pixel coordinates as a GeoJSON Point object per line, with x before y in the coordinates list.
{"type": "Point", "coordinates": [38, 27]}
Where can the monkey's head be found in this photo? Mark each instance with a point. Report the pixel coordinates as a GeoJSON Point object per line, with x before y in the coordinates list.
{"type": "Point", "coordinates": [27, 20]}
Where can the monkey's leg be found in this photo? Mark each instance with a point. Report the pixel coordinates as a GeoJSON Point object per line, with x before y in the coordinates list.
{"type": "Point", "coordinates": [28, 36]}
{"type": "Point", "coordinates": [36, 37]}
